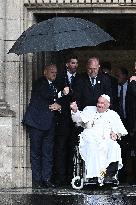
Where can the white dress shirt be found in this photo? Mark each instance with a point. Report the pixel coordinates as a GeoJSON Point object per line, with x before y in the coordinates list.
{"type": "Point", "coordinates": [93, 83]}
{"type": "Point", "coordinates": [70, 75]}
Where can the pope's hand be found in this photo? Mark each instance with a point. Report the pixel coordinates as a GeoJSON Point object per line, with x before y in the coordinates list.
{"type": "Point", "coordinates": [73, 106]}
{"type": "Point", "coordinates": [66, 90]}
{"type": "Point", "coordinates": [113, 136]}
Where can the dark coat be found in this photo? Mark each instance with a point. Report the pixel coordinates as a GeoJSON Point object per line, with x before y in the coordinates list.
{"type": "Point", "coordinates": [38, 114]}
{"type": "Point", "coordinates": [66, 134]}
{"type": "Point", "coordinates": [131, 105]}
{"type": "Point", "coordinates": [61, 82]}
{"type": "Point", "coordinates": [86, 95]}
{"type": "Point", "coordinates": [114, 88]}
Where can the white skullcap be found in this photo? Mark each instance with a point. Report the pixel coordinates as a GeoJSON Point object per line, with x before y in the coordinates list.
{"type": "Point", "coordinates": [106, 97]}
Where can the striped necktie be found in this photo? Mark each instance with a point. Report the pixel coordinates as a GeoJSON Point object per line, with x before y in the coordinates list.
{"type": "Point", "coordinates": [72, 79]}
{"type": "Point", "coordinates": [121, 103]}
{"type": "Point", "coordinates": [92, 81]}
{"type": "Point", "coordinates": [54, 90]}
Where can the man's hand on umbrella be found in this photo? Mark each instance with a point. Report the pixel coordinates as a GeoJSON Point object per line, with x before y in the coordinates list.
{"type": "Point", "coordinates": [55, 107]}
{"type": "Point", "coordinates": [66, 90]}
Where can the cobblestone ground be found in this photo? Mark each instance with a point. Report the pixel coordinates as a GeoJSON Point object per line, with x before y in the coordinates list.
{"type": "Point", "coordinates": [123, 195]}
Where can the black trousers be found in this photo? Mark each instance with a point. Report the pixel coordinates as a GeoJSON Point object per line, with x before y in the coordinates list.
{"type": "Point", "coordinates": [112, 169]}
{"type": "Point", "coordinates": [65, 139]}
{"type": "Point", "coordinates": [41, 153]}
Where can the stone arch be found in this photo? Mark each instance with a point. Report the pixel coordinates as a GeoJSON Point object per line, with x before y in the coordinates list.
{"type": "Point", "coordinates": [31, 62]}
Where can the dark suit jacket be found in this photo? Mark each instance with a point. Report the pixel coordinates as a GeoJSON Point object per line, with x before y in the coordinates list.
{"type": "Point", "coordinates": [114, 88]}
{"type": "Point", "coordinates": [61, 82]}
{"type": "Point", "coordinates": [38, 114]}
{"type": "Point", "coordinates": [86, 95]}
{"type": "Point", "coordinates": [131, 105]}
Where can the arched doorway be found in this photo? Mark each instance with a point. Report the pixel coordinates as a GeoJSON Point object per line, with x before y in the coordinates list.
{"type": "Point", "coordinates": [119, 53]}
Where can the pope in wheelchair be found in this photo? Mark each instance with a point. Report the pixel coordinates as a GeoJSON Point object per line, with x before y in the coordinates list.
{"type": "Point", "coordinates": [98, 144]}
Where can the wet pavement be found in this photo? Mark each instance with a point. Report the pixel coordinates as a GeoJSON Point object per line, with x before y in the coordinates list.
{"type": "Point", "coordinates": [123, 195]}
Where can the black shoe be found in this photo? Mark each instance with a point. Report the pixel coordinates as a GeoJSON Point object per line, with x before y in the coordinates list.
{"type": "Point", "coordinates": [36, 185]}
{"type": "Point", "coordinates": [60, 184]}
{"type": "Point", "coordinates": [93, 180]}
{"type": "Point", "coordinates": [48, 184]}
{"type": "Point", "coordinates": [110, 180]}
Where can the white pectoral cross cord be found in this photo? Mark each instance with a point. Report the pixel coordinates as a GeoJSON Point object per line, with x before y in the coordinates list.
{"type": "Point", "coordinates": [93, 124]}
{"type": "Point", "coordinates": [96, 118]}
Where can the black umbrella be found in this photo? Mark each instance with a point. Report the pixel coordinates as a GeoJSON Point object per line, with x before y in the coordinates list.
{"type": "Point", "coordinates": [59, 33]}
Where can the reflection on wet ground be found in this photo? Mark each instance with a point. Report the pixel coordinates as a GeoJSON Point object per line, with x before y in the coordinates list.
{"type": "Point", "coordinates": [123, 195]}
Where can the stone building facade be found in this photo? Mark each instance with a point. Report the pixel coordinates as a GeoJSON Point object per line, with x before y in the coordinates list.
{"type": "Point", "coordinates": [18, 72]}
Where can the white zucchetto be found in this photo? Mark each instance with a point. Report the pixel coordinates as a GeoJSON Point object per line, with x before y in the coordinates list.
{"type": "Point", "coordinates": [106, 97]}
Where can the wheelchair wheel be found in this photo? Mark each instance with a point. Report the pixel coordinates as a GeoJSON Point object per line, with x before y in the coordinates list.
{"type": "Point", "coordinates": [77, 182]}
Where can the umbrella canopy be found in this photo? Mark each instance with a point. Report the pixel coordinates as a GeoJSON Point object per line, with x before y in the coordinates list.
{"type": "Point", "coordinates": [59, 33]}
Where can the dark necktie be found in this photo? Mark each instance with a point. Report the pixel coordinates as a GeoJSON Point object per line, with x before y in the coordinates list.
{"type": "Point", "coordinates": [71, 83]}
{"type": "Point", "coordinates": [121, 103]}
{"type": "Point", "coordinates": [72, 79]}
{"type": "Point", "coordinates": [92, 81]}
{"type": "Point", "coordinates": [54, 90]}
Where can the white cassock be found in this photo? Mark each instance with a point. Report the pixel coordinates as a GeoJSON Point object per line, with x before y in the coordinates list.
{"type": "Point", "coordinates": [96, 147]}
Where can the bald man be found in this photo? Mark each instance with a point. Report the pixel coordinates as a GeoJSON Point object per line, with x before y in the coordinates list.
{"type": "Point", "coordinates": [91, 85]}
{"type": "Point", "coordinates": [40, 121]}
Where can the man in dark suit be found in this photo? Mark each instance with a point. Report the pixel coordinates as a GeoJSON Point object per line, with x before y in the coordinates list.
{"type": "Point", "coordinates": [131, 104]}
{"type": "Point", "coordinates": [40, 121]}
{"type": "Point", "coordinates": [107, 70]}
{"type": "Point", "coordinates": [91, 85]}
{"type": "Point", "coordinates": [122, 76]}
{"type": "Point", "coordinates": [131, 117]}
{"type": "Point", "coordinates": [65, 130]}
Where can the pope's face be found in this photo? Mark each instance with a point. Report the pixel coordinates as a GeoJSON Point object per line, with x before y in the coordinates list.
{"type": "Point", "coordinates": [102, 104]}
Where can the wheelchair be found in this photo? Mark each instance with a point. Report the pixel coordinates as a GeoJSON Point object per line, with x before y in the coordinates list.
{"type": "Point", "coordinates": [79, 179]}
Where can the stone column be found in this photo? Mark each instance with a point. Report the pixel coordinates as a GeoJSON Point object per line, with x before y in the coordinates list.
{"type": "Point", "coordinates": [7, 117]}
{"type": "Point", "coordinates": [2, 36]}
